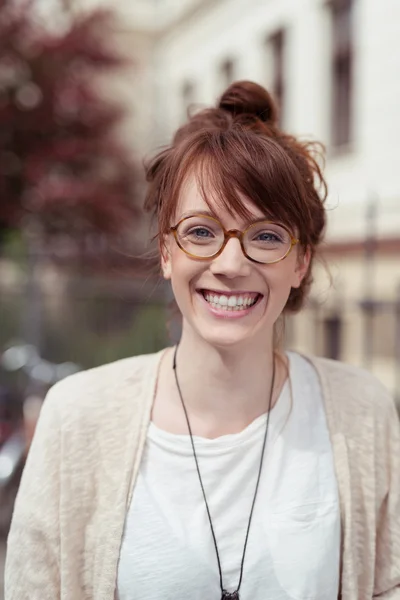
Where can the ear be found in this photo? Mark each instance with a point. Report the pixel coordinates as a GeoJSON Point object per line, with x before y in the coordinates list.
{"type": "Point", "coordinates": [165, 259]}
{"type": "Point", "coordinates": [303, 264]}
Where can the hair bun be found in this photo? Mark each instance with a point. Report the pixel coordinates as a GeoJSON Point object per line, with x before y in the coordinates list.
{"type": "Point", "coordinates": [249, 98]}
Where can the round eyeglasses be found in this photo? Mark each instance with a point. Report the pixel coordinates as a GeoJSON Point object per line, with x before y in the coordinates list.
{"type": "Point", "coordinates": [203, 237]}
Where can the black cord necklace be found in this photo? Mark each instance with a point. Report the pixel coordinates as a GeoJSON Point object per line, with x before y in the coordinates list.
{"type": "Point", "coordinates": [227, 595]}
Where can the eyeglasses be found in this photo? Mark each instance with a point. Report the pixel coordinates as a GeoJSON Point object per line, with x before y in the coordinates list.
{"type": "Point", "coordinates": [204, 238]}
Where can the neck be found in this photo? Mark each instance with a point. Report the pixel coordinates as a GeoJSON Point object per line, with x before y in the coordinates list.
{"type": "Point", "coordinates": [227, 385]}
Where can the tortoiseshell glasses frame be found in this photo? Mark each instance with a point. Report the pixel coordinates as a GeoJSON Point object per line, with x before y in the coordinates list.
{"type": "Point", "coordinates": [233, 233]}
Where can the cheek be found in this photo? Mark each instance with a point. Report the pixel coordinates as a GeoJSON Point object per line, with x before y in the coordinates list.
{"type": "Point", "coordinates": [282, 278]}
{"type": "Point", "coordinates": [183, 273]}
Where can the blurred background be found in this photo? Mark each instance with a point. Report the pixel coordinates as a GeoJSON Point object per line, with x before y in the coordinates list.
{"type": "Point", "coordinates": [89, 89]}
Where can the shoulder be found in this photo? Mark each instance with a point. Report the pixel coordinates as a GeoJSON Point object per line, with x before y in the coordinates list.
{"type": "Point", "coordinates": [103, 389]}
{"type": "Point", "coordinates": [350, 391]}
{"type": "Point", "coordinates": [347, 378]}
{"type": "Point", "coordinates": [342, 372]}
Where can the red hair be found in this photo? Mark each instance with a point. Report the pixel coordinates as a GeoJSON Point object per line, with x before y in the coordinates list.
{"type": "Point", "coordinates": [237, 149]}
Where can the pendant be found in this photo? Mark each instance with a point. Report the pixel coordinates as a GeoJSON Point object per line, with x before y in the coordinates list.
{"type": "Point", "coordinates": [230, 596]}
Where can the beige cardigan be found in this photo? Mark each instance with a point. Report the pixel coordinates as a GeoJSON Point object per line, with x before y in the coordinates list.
{"type": "Point", "coordinates": [69, 516]}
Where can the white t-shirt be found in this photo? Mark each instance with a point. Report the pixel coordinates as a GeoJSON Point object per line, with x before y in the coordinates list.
{"type": "Point", "coordinates": [293, 550]}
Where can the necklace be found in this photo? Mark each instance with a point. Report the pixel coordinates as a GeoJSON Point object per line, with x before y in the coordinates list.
{"type": "Point", "coordinates": [224, 594]}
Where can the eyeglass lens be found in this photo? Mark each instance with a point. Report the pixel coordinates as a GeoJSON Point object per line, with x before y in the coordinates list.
{"type": "Point", "coordinates": [203, 237]}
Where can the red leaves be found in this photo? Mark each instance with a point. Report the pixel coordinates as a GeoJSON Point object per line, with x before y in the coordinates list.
{"type": "Point", "coordinates": [59, 159]}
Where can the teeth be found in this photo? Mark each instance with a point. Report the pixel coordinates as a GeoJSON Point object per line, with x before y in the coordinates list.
{"type": "Point", "coordinates": [232, 301]}
{"type": "Point", "coordinates": [229, 302]}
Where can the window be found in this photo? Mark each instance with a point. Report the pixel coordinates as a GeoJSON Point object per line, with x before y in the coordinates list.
{"type": "Point", "coordinates": [333, 335]}
{"type": "Point", "coordinates": [277, 43]}
{"type": "Point", "coordinates": [342, 71]}
{"type": "Point", "coordinates": [227, 73]}
{"type": "Point", "coordinates": [188, 94]}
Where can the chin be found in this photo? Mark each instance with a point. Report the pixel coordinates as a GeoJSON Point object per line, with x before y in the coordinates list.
{"type": "Point", "coordinates": [225, 341]}
{"type": "Point", "coordinates": [228, 335]}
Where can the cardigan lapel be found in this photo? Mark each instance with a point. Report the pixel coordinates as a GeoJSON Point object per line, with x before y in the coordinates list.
{"type": "Point", "coordinates": [341, 454]}
{"type": "Point", "coordinates": [121, 452]}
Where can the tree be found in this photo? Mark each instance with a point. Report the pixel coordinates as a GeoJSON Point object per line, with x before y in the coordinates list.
{"type": "Point", "coordinates": [61, 168]}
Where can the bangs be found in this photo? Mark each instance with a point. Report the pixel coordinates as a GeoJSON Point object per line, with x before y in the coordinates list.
{"type": "Point", "coordinates": [230, 166]}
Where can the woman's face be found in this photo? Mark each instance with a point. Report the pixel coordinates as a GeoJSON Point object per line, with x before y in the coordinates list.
{"type": "Point", "coordinates": [199, 286]}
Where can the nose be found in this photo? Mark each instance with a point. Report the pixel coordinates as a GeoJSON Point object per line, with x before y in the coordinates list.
{"type": "Point", "coordinates": [231, 262]}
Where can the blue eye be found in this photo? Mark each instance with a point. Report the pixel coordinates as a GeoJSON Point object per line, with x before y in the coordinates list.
{"type": "Point", "coordinates": [200, 232]}
{"type": "Point", "coordinates": [267, 236]}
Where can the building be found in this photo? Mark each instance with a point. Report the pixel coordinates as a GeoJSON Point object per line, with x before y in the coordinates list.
{"type": "Point", "coordinates": [333, 67]}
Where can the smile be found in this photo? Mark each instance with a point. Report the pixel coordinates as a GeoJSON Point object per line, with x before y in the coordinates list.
{"type": "Point", "coordinates": [231, 302]}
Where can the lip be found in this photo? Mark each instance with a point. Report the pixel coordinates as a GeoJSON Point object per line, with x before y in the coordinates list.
{"type": "Point", "coordinates": [228, 314]}
{"type": "Point", "coordinates": [228, 293]}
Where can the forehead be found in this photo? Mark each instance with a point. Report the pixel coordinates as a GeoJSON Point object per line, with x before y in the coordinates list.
{"type": "Point", "coordinates": [192, 200]}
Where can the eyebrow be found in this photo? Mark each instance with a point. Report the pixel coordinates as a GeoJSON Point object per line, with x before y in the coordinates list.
{"type": "Point", "coordinates": [192, 213]}
{"type": "Point", "coordinates": [208, 213]}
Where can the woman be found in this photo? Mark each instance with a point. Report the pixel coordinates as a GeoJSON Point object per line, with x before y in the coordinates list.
{"type": "Point", "coordinates": [224, 467]}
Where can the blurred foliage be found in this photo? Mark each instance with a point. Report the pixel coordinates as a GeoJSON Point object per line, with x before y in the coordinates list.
{"type": "Point", "coordinates": [11, 308]}
{"type": "Point", "coordinates": [61, 167]}
{"type": "Point", "coordinates": [90, 331]}
{"type": "Point", "coordinates": [12, 246]}
{"type": "Point", "coordinates": [68, 192]}
{"type": "Point", "coordinates": [88, 346]}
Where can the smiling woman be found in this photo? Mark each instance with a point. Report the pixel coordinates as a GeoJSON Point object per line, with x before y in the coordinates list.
{"type": "Point", "coordinates": [223, 468]}
{"type": "Point", "coordinates": [236, 152]}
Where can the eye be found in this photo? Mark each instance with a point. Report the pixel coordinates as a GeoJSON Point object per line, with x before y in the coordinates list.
{"type": "Point", "coordinates": [200, 232]}
{"type": "Point", "coordinates": [268, 236]}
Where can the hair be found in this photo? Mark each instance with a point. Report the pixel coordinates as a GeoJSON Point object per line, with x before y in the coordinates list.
{"type": "Point", "coordinates": [237, 150]}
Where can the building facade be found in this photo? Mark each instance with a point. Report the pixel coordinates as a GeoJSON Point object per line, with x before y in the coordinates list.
{"type": "Point", "coordinates": [333, 66]}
